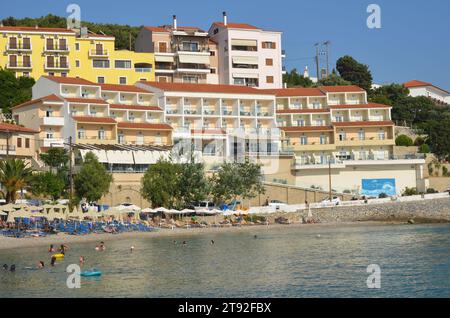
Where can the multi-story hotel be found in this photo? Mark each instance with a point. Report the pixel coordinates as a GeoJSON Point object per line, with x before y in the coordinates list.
{"type": "Point", "coordinates": [36, 52]}
{"type": "Point", "coordinates": [229, 53]}
{"type": "Point", "coordinates": [305, 134]}
{"type": "Point", "coordinates": [17, 142]}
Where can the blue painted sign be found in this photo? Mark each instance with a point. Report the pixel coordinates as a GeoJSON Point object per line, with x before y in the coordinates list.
{"type": "Point", "coordinates": [374, 187]}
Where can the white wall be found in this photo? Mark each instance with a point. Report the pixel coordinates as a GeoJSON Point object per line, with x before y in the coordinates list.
{"type": "Point", "coordinates": [431, 92]}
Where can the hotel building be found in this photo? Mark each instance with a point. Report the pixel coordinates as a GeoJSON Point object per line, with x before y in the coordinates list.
{"type": "Point", "coordinates": [228, 54]}
{"type": "Point", "coordinates": [17, 142]}
{"type": "Point", "coordinates": [438, 95]}
{"type": "Point", "coordinates": [36, 52]}
{"type": "Point", "coordinates": [300, 135]}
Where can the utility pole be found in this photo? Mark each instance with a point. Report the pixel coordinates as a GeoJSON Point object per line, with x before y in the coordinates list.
{"type": "Point", "coordinates": [327, 45]}
{"type": "Point", "coordinates": [70, 172]}
{"type": "Point", "coordinates": [317, 61]}
{"type": "Point", "coordinates": [8, 135]}
{"type": "Point", "coordinates": [329, 179]}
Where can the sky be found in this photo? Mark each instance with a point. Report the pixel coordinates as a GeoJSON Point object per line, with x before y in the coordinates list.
{"type": "Point", "coordinates": [412, 43]}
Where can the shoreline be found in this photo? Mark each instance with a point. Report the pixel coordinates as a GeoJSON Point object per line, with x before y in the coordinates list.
{"type": "Point", "coordinates": [7, 243]}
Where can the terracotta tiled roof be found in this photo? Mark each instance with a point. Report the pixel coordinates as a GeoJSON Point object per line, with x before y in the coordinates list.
{"type": "Point", "coordinates": [156, 29]}
{"type": "Point", "coordinates": [368, 105]}
{"type": "Point", "coordinates": [302, 111]}
{"type": "Point", "coordinates": [233, 25]}
{"type": "Point", "coordinates": [86, 101]}
{"type": "Point", "coordinates": [144, 126]}
{"type": "Point", "coordinates": [70, 80]}
{"type": "Point", "coordinates": [206, 88]}
{"type": "Point", "coordinates": [87, 119]}
{"type": "Point", "coordinates": [122, 88]}
{"type": "Point", "coordinates": [341, 89]}
{"type": "Point", "coordinates": [49, 98]}
{"type": "Point", "coordinates": [416, 83]}
{"type": "Point", "coordinates": [306, 128]}
{"type": "Point", "coordinates": [295, 91]}
{"type": "Point", "coordinates": [16, 128]}
{"type": "Point", "coordinates": [363, 123]}
{"type": "Point", "coordinates": [135, 107]}
{"type": "Point", "coordinates": [34, 29]}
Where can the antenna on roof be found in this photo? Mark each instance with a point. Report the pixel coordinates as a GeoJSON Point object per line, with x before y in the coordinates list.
{"type": "Point", "coordinates": [174, 22]}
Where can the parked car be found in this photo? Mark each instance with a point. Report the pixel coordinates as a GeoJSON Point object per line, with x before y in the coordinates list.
{"type": "Point", "coordinates": [447, 190]}
{"type": "Point", "coordinates": [277, 203]}
{"type": "Point", "coordinates": [202, 205]}
{"type": "Point", "coordinates": [334, 200]}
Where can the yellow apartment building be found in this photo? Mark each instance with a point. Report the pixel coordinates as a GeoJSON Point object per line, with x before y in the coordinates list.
{"type": "Point", "coordinates": [35, 52]}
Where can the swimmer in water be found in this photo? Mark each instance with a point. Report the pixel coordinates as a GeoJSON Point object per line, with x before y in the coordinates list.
{"type": "Point", "coordinates": [51, 249]}
{"type": "Point", "coordinates": [41, 265]}
{"type": "Point", "coordinates": [53, 261]}
{"type": "Point", "coordinates": [5, 267]}
{"type": "Point", "coordinates": [174, 242]}
{"type": "Point", "coordinates": [101, 246]}
{"type": "Point", "coordinates": [63, 249]}
{"type": "Point", "coordinates": [82, 260]}
{"type": "Point", "coordinates": [184, 243]}
{"type": "Point", "coordinates": [12, 268]}
{"type": "Point", "coordinates": [132, 248]}
{"type": "Point", "coordinates": [212, 242]}
{"type": "Point", "coordinates": [256, 236]}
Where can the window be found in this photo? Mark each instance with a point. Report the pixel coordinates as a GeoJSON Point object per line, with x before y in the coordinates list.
{"type": "Point", "coordinates": [140, 139]}
{"type": "Point", "coordinates": [101, 134]}
{"type": "Point", "coordinates": [131, 117]}
{"type": "Point", "coordinates": [13, 43]}
{"type": "Point", "coordinates": [77, 46]}
{"type": "Point", "coordinates": [212, 53]}
{"type": "Point", "coordinates": [303, 140]}
{"type": "Point", "coordinates": [77, 63]}
{"type": "Point", "coordinates": [268, 45]}
{"type": "Point", "coordinates": [49, 113]}
{"type": "Point", "coordinates": [121, 138]}
{"type": "Point", "coordinates": [342, 136]}
{"type": "Point", "coordinates": [26, 74]}
{"type": "Point", "coordinates": [382, 135]}
{"type": "Point", "coordinates": [316, 105]}
{"type": "Point", "coordinates": [190, 79]}
{"type": "Point", "coordinates": [300, 122]}
{"type": "Point", "coordinates": [27, 142]}
{"type": "Point", "coordinates": [323, 139]}
{"type": "Point", "coordinates": [189, 46]}
{"type": "Point", "coordinates": [361, 135]}
{"type": "Point", "coordinates": [319, 122]}
{"type": "Point", "coordinates": [49, 135]}
{"type": "Point", "coordinates": [63, 74]}
{"type": "Point", "coordinates": [269, 62]}
{"type": "Point", "coordinates": [213, 71]}
{"type": "Point", "coordinates": [122, 80]}
{"type": "Point", "coordinates": [93, 112]}
{"type": "Point", "coordinates": [101, 79]}
{"type": "Point", "coordinates": [19, 142]}
{"type": "Point", "coordinates": [100, 63]}
{"type": "Point", "coordinates": [81, 133]}
{"type": "Point", "coordinates": [122, 64]}
{"type": "Point", "coordinates": [339, 118]}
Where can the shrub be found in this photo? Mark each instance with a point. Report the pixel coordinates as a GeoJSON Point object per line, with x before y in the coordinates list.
{"type": "Point", "coordinates": [445, 172]}
{"type": "Point", "coordinates": [404, 141]}
{"type": "Point", "coordinates": [347, 191]}
{"type": "Point", "coordinates": [409, 192]}
{"type": "Point", "coordinates": [382, 196]}
{"type": "Point", "coordinates": [424, 148]}
{"type": "Point", "coordinates": [431, 190]}
{"type": "Point", "coordinates": [419, 141]}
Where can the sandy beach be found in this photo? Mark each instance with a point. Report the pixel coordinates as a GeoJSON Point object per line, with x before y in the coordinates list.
{"type": "Point", "coordinates": [12, 243]}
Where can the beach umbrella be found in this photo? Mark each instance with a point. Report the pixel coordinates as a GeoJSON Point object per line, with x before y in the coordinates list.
{"type": "Point", "coordinates": [131, 207]}
{"type": "Point", "coordinates": [3, 213]}
{"type": "Point", "coordinates": [148, 210]}
{"type": "Point", "coordinates": [186, 211]}
{"type": "Point", "coordinates": [162, 209]}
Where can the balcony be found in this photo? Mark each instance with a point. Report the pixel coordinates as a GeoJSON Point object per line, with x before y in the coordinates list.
{"type": "Point", "coordinates": [189, 50]}
{"type": "Point", "coordinates": [19, 66]}
{"type": "Point", "coordinates": [98, 53]}
{"type": "Point", "coordinates": [11, 150]}
{"type": "Point", "coordinates": [283, 70]}
{"type": "Point", "coordinates": [193, 68]}
{"type": "Point", "coordinates": [365, 142]}
{"type": "Point", "coordinates": [283, 53]}
{"type": "Point", "coordinates": [53, 142]}
{"type": "Point", "coordinates": [56, 66]}
{"type": "Point", "coordinates": [56, 48]}
{"type": "Point", "coordinates": [95, 140]}
{"type": "Point", "coordinates": [52, 121]}
{"type": "Point", "coordinates": [19, 47]}
{"type": "Point", "coordinates": [143, 69]}
{"type": "Point", "coordinates": [312, 147]}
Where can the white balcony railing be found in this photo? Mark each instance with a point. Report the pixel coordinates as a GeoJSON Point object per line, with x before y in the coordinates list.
{"type": "Point", "coordinates": [53, 121]}
{"type": "Point", "coordinates": [53, 142]}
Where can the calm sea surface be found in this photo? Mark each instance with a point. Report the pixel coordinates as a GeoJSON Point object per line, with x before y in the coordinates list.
{"type": "Point", "coordinates": [287, 262]}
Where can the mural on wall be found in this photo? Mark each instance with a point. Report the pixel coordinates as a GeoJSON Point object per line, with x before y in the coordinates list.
{"type": "Point", "coordinates": [374, 187]}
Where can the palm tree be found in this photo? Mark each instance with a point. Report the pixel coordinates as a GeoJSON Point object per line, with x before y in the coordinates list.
{"type": "Point", "coordinates": [15, 175]}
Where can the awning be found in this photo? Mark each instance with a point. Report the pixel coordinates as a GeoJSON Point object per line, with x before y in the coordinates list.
{"type": "Point", "coordinates": [252, 60]}
{"type": "Point", "coordinates": [100, 154]}
{"type": "Point", "coordinates": [195, 59]}
{"type": "Point", "coordinates": [159, 58]}
{"type": "Point", "coordinates": [244, 75]}
{"type": "Point", "coordinates": [120, 157]}
{"type": "Point", "coordinates": [244, 42]}
{"type": "Point", "coordinates": [147, 157]}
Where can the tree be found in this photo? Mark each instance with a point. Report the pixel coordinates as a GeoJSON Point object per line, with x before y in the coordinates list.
{"type": "Point", "coordinates": [48, 184]}
{"type": "Point", "coordinates": [15, 175]}
{"type": "Point", "coordinates": [294, 79]}
{"type": "Point", "coordinates": [192, 184]}
{"type": "Point", "coordinates": [160, 184]}
{"type": "Point", "coordinates": [356, 73]}
{"type": "Point", "coordinates": [55, 158]}
{"type": "Point", "coordinates": [333, 80]}
{"type": "Point", "coordinates": [93, 180]}
{"type": "Point", "coordinates": [403, 141]}
{"type": "Point", "coordinates": [13, 91]}
{"type": "Point", "coordinates": [439, 137]}
{"type": "Point", "coordinates": [233, 180]}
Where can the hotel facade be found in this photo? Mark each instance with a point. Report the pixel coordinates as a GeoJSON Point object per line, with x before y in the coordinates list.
{"type": "Point", "coordinates": [35, 52]}
{"type": "Point", "coordinates": [300, 135]}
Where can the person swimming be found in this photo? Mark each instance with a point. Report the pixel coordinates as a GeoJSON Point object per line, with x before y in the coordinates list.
{"type": "Point", "coordinates": [132, 248]}
{"type": "Point", "coordinates": [41, 265]}
{"type": "Point", "coordinates": [63, 249]}
{"type": "Point", "coordinates": [100, 247]}
{"type": "Point", "coordinates": [174, 242]}
{"type": "Point", "coordinates": [82, 260]}
{"type": "Point", "coordinates": [53, 261]}
{"type": "Point", "coordinates": [51, 249]}
{"type": "Point", "coordinates": [255, 236]}
{"type": "Point", "coordinates": [212, 242]}
{"type": "Point", "coordinates": [5, 267]}
{"type": "Point", "coordinates": [184, 243]}
{"type": "Point", "coordinates": [12, 268]}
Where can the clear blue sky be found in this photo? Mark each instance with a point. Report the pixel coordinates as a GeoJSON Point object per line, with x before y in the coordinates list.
{"type": "Point", "coordinates": [413, 42]}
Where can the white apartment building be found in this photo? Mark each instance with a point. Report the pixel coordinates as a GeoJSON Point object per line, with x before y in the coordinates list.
{"type": "Point", "coordinates": [419, 88]}
{"type": "Point", "coordinates": [248, 55]}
